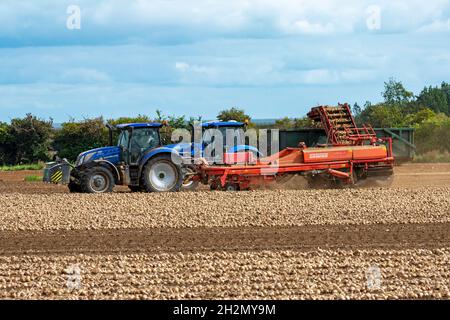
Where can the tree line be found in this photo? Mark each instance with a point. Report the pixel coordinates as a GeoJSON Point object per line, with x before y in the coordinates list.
{"type": "Point", "coordinates": [31, 139]}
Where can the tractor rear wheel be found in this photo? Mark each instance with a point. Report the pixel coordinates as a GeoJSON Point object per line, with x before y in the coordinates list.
{"type": "Point", "coordinates": [97, 180]}
{"type": "Point", "coordinates": [161, 174]}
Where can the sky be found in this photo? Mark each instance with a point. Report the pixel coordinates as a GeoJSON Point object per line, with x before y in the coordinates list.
{"type": "Point", "coordinates": [77, 59]}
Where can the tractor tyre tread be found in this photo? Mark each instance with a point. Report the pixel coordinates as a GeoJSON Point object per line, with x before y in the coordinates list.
{"type": "Point", "coordinates": [85, 176]}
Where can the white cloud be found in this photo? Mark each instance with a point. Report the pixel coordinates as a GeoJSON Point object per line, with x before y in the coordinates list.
{"type": "Point", "coordinates": [196, 55]}
{"type": "Point", "coordinates": [182, 66]}
{"type": "Point", "coordinates": [306, 27]}
{"type": "Point", "coordinates": [123, 21]}
{"type": "Point", "coordinates": [436, 26]}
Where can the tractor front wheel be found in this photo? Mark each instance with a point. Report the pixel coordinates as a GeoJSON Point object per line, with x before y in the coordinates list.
{"type": "Point", "coordinates": [161, 174]}
{"type": "Point", "coordinates": [97, 180]}
{"type": "Point", "coordinates": [74, 187]}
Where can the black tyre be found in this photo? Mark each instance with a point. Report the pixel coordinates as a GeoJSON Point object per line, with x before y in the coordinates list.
{"type": "Point", "coordinates": [97, 180]}
{"type": "Point", "coordinates": [231, 187]}
{"type": "Point", "coordinates": [188, 183]}
{"type": "Point", "coordinates": [74, 187]}
{"type": "Point", "coordinates": [214, 186]}
{"type": "Point", "coordinates": [135, 188]}
{"type": "Point", "coordinates": [161, 174]}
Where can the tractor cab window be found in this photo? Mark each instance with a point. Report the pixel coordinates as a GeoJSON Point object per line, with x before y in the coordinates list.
{"type": "Point", "coordinates": [142, 140]}
{"type": "Point", "coordinates": [123, 139]}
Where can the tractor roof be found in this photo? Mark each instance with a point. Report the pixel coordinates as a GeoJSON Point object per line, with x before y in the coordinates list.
{"type": "Point", "coordinates": [210, 124]}
{"type": "Point", "coordinates": [139, 125]}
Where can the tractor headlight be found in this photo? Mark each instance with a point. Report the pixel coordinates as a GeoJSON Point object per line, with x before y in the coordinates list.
{"type": "Point", "coordinates": [80, 160]}
{"type": "Point", "coordinates": [84, 159]}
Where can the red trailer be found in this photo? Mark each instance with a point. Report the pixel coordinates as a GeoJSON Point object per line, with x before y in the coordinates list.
{"type": "Point", "coordinates": [351, 155]}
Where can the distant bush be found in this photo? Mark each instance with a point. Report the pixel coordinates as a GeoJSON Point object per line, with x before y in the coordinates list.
{"type": "Point", "coordinates": [433, 134]}
{"type": "Point", "coordinates": [75, 137]}
{"type": "Point", "coordinates": [294, 123]}
{"type": "Point", "coordinates": [233, 114]}
{"type": "Point", "coordinates": [25, 140]}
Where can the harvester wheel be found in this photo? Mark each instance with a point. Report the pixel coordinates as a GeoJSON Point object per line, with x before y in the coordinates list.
{"type": "Point", "coordinates": [214, 186]}
{"type": "Point", "coordinates": [231, 187]}
{"type": "Point", "coordinates": [97, 180]}
{"type": "Point", "coordinates": [188, 183]}
{"type": "Point", "coordinates": [161, 174]}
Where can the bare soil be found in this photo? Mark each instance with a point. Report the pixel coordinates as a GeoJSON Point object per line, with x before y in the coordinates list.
{"type": "Point", "coordinates": [268, 244]}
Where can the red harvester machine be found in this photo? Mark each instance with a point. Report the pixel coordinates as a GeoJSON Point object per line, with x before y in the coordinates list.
{"type": "Point", "coordinates": [351, 156]}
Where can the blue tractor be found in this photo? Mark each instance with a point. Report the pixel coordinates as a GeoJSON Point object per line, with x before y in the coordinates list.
{"type": "Point", "coordinates": [234, 127]}
{"type": "Point", "coordinates": [138, 160]}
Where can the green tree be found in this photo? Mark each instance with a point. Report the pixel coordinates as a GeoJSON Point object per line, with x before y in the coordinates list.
{"type": "Point", "coordinates": [422, 115]}
{"type": "Point", "coordinates": [445, 87]}
{"type": "Point", "coordinates": [233, 114]}
{"type": "Point", "coordinates": [362, 117]}
{"type": "Point", "coordinates": [293, 123]}
{"type": "Point", "coordinates": [30, 139]}
{"type": "Point", "coordinates": [434, 98]}
{"type": "Point", "coordinates": [381, 115]}
{"type": "Point", "coordinates": [139, 118]}
{"type": "Point", "coordinates": [356, 110]}
{"type": "Point", "coordinates": [75, 137]}
{"type": "Point", "coordinates": [433, 134]}
{"type": "Point", "coordinates": [395, 93]}
{"type": "Point", "coordinates": [6, 149]}
{"type": "Point", "coordinates": [284, 123]}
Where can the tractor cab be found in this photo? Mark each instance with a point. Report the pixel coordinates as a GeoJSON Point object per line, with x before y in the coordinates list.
{"type": "Point", "coordinates": [234, 143]}
{"type": "Point", "coordinates": [232, 133]}
{"type": "Point", "coordinates": [233, 128]}
{"type": "Point", "coordinates": [137, 138]}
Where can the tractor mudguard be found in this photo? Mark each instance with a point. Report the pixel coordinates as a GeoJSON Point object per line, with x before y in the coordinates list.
{"type": "Point", "coordinates": [242, 147]}
{"type": "Point", "coordinates": [76, 172]}
{"type": "Point", "coordinates": [153, 152]}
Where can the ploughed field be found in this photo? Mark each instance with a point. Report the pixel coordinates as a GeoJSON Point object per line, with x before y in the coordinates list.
{"type": "Point", "coordinates": [283, 243]}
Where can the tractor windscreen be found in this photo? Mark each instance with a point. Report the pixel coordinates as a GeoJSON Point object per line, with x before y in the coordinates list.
{"type": "Point", "coordinates": [143, 139]}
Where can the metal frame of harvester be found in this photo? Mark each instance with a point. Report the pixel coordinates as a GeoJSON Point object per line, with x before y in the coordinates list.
{"type": "Point", "coordinates": [352, 154]}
